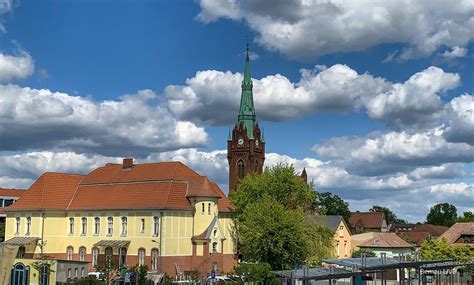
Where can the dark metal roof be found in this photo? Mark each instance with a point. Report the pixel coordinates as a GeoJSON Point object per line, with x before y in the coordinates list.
{"type": "Point", "coordinates": [331, 221]}
{"type": "Point", "coordinates": [21, 240]}
{"type": "Point", "coordinates": [319, 273]}
{"type": "Point", "coordinates": [113, 243]}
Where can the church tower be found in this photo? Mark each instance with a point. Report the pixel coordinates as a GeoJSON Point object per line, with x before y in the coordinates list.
{"type": "Point", "coordinates": [245, 144]}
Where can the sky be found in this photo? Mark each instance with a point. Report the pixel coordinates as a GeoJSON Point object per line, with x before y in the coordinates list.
{"type": "Point", "coordinates": [373, 98]}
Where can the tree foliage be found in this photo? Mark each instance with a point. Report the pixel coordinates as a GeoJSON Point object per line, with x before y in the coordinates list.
{"type": "Point", "coordinates": [443, 214]}
{"type": "Point", "coordinates": [270, 220]}
{"type": "Point", "coordinates": [359, 252]}
{"type": "Point", "coordinates": [253, 273]}
{"type": "Point", "coordinates": [437, 249]}
{"type": "Point", "coordinates": [390, 216]}
{"type": "Point", "coordinates": [466, 218]}
{"type": "Point", "coordinates": [329, 204]}
{"type": "Point", "coordinates": [279, 182]}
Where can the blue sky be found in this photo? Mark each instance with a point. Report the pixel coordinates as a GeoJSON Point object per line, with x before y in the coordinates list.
{"type": "Point", "coordinates": [380, 112]}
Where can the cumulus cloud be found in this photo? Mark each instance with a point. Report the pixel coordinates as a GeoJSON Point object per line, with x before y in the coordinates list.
{"type": "Point", "coordinates": [18, 66]}
{"type": "Point", "coordinates": [455, 52]}
{"type": "Point", "coordinates": [338, 88]}
{"type": "Point", "coordinates": [392, 152]}
{"type": "Point", "coordinates": [306, 29]}
{"type": "Point", "coordinates": [460, 119]}
{"type": "Point", "coordinates": [135, 124]}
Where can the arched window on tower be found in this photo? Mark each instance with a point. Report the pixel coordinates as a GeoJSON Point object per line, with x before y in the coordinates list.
{"type": "Point", "coordinates": [241, 169]}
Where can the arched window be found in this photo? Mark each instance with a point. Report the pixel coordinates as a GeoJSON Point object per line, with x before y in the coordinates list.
{"type": "Point", "coordinates": [241, 169]}
{"type": "Point", "coordinates": [122, 256]}
{"type": "Point", "coordinates": [44, 272]}
{"type": "Point", "coordinates": [21, 252]}
{"type": "Point", "coordinates": [110, 226]}
{"type": "Point", "coordinates": [141, 256]}
{"type": "Point", "coordinates": [69, 252]}
{"type": "Point", "coordinates": [124, 226]}
{"type": "Point", "coordinates": [20, 274]}
{"type": "Point", "coordinates": [84, 226]}
{"type": "Point", "coordinates": [28, 225]}
{"type": "Point", "coordinates": [71, 226]}
{"type": "Point", "coordinates": [82, 253]}
{"type": "Point", "coordinates": [214, 247]}
{"type": "Point", "coordinates": [154, 259]}
{"type": "Point", "coordinates": [108, 254]}
{"type": "Point", "coordinates": [95, 256]}
{"type": "Point", "coordinates": [156, 226]}
{"type": "Point", "coordinates": [17, 220]}
{"type": "Point", "coordinates": [96, 226]}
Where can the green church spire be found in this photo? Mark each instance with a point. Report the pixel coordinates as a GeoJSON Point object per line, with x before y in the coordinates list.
{"type": "Point", "coordinates": [247, 111]}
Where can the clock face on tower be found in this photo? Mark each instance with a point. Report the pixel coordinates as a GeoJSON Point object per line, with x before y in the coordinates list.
{"type": "Point", "coordinates": [240, 141]}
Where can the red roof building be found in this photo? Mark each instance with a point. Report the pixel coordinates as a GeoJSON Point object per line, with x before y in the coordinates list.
{"type": "Point", "coordinates": [368, 222]}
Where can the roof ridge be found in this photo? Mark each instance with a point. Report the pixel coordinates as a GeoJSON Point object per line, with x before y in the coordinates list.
{"type": "Point", "coordinates": [74, 194]}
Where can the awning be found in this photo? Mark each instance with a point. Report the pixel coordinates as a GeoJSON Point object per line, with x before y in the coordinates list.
{"type": "Point", "coordinates": [21, 240]}
{"type": "Point", "coordinates": [112, 243]}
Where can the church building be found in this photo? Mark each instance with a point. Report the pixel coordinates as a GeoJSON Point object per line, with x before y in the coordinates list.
{"type": "Point", "coordinates": [245, 144]}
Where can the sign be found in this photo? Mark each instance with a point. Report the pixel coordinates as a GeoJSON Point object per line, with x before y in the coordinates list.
{"type": "Point", "coordinates": [213, 276]}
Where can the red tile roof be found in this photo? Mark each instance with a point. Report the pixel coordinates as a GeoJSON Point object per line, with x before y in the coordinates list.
{"type": "Point", "coordinates": [457, 230]}
{"type": "Point", "coordinates": [369, 220]}
{"type": "Point", "coordinates": [386, 240]}
{"type": "Point", "coordinates": [434, 230]}
{"type": "Point", "coordinates": [51, 191]}
{"type": "Point", "coordinates": [11, 192]}
{"type": "Point", "coordinates": [415, 237]}
{"type": "Point", "coordinates": [165, 185]}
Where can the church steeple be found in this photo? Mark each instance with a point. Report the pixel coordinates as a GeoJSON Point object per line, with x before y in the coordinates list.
{"type": "Point", "coordinates": [245, 144]}
{"type": "Point", "coordinates": [247, 116]}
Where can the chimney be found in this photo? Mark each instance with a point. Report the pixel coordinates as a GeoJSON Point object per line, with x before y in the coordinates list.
{"type": "Point", "coordinates": [127, 163]}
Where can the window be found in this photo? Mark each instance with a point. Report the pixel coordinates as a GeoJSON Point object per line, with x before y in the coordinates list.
{"type": "Point", "coordinates": [142, 228]}
{"type": "Point", "coordinates": [83, 272]}
{"type": "Point", "coordinates": [108, 254]}
{"type": "Point", "coordinates": [96, 226]}
{"type": "Point", "coordinates": [156, 226]}
{"type": "Point", "coordinates": [141, 256]}
{"type": "Point", "coordinates": [82, 253]}
{"type": "Point", "coordinates": [21, 252]}
{"type": "Point", "coordinates": [341, 231]}
{"type": "Point", "coordinates": [69, 252]}
{"type": "Point", "coordinates": [122, 256]}
{"type": "Point", "coordinates": [154, 259]}
{"type": "Point", "coordinates": [345, 248]}
{"type": "Point", "coordinates": [17, 220]}
{"type": "Point", "coordinates": [75, 273]}
{"type": "Point", "coordinates": [69, 273]}
{"type": "Point", "coordinates": [203, 208]}
{"type": "Point", "coordinates": [110, 226]}
{"type": "Point", "coordinates": [124, 226]}
{"type": "Point", "coordinates": [44, 272]}
{"type": "Point", "coordinates": [338, 251]}
{"type": "Point", "coordinates": [95, 256]}
{"type": "Point", "coordinates": [71, 226]}
{"type": "Point", "coordinates": [8, 202]}
{"type": "Point", "coordinates": [28, 225]}
{"type": "Point", "coordinates": [214, 267]}
{"type": "Point", "coordinates": [241, 168]}
{"type": "Point", "coordinates": [84, 226]}
{"type": "Point", "coordinates": [214, 247]}
{"type": "Point", "coordinates": [209, 208]}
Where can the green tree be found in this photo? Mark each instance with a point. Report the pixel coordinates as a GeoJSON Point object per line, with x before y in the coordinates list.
{"type": "Point", "coordinates": [279, 182]}
{"type": "Point", "coordinates": [466, 218]}
{"type": "Point", "coordinates": [437, 249]}
{"type": "Point", "coordinates": [442, 214]}
{"type": "Point", "coordinates": [390, 216]}
{"type": "Point", "coordinates": [329, 204]}
{"type": "Point", "coordinates": [359, 252]}
{"type": "Point", "coordinates": [256, 273]}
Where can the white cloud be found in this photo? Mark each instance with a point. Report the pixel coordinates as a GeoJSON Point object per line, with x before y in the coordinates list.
{"type": "Point", "coordinates": [455, 52]}
{"type": "Point", "coordinates": [460, 119]}
{"type": "Point", "coordinates": [339, 88]}
{"type": "Point", "coordinates": [5, 6]}
{"type": "Point", "coordinates": [135, 124]}
{"type": "Point", "coordinates": [14, 67]}
{"type": "Point", "coordinates": [392, 152]}
{"type": "Point", "coordinates": [306, 29]}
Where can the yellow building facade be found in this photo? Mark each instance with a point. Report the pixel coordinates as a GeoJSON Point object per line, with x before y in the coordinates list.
{"type": "Point", "coordinates": [163, 215]}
